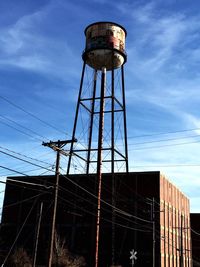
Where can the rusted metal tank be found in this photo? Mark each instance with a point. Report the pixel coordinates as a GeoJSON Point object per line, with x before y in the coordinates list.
{"type": "Point", "coordinates": [105, 45]}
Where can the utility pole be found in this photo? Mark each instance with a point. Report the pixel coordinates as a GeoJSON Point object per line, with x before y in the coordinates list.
{"type": "Point", "coordinates": [181, 243]}
{"type": "Point", "coordinates": [153, 212]}
{"type": "Point", "coordinates": [182, 246]}
{"type": "Point", "coordinates": [154, 230]}
{"type": "Point", "coordinates": [37, 235]}
{"type": "Point", "coordinates": [57, 147]}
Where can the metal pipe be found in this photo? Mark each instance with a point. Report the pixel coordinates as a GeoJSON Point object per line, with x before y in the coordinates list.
{"type": "Point", "coordinates": [113, 160]}
{"type": "Point", "coordinates": [99, 160]}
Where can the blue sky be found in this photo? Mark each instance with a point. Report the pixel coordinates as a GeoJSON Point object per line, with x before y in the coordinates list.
{"type": "Point", "coordinates": [41, 43]}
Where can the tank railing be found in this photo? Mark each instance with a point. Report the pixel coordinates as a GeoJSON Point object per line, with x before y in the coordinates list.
{"type": "Point", "coordinates": [121, 52]}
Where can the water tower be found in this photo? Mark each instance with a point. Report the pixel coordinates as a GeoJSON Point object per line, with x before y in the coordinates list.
{"type": "Point", "coordinates": [100, 119]}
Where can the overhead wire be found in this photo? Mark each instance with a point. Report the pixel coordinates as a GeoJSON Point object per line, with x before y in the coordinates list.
{"type": "Point", "coordinates": [22, 201]}
{"type": "Point", "coordinates": [117, 210]}
{"type": "Point", "coordinates": [196, 233]}
{"type": "Point", "coordinates": [64, 176]}
{"type": "Point", "coordinates": [23, 186]}
{"type": "Point", "coordinates": [31, 114]}
{"type": "Point", "coordinates": [164, 140]}
{"type": "Point", "coordinates": [137, 196]}
{"type": "Point", "coordinates": [25, 175]}
{"type": "Point", "coordinates": [121, 211]}
{"type": "Point", "coordinates": [167, 145]}
{"type": "Point", "coordinates": [26, 128]}
{"type": "Point", "coordinates": [165, 166]}
{"type": "Point", "coordinates": [18, 234]}
{"type": "Point", "coordinates": [92, 203]}
{"type": "Point", "coordinates": [9, 169]}
{"type": "Point", "coordinates": [28, 135]}
{"type": "Point", "coordinates": [40, 185]}
{"type": "Point", "coordinates": [26, 161]}
{"type": "Point", "coordinates": [25, 156]}
{"type": "Point", "coordinates": [29, 183]}
{"type": "Point", "coordinates": [43, 216]}
{"type": "Point", "coordinates": [105, 202]}
{"type": "Point", "coordinates": [131, 228]}
{"type": "Point", "coordinates": [104, 219]}
{"type": "Point", "coordinates": [20, 131]}
{"type": "Point", "coordinates": [127, 214]}
{"type": "Point", "coordinates": [18, 172]}
{"type": "Point", "coordinates": [177, 228]}
{"type": "Point", "coordinates": [168, 239]}
{"type": "Point", "coordinates": [164, 133]}
{"type": "Point", "coordinates": [48, 124]}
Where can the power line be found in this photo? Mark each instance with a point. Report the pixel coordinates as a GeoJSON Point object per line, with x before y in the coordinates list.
{"type": "Point", "coordinates": [22, 182]}
{"type": "Point", "coordinates": [117, 210]}
{"type": "Point", "coordinates": [164, 133]}
{"type": "Point", "coordinates": [103, 201]}
{"type": "Point", "coordinates": [26, 128]}
{"type": "Point", "coordinates": [28, 183]}
{"type": "Point", "coordinates": [20, 131]}
{"type": "Point", "coordinates": [178, 144]}
{"type": "Point", "coordinates": [34, 184]}
{"type": "Point", "coordinates": [23, 186]}
{"type": "Point", "coordinates": [12, 170]}
{"type": "Point", "coordinates": [25, 169]}
{"type": "Point", "coordinates": [25, 174]}
{"type": "Point", "coordinates": [165, 166]}
{"type": "Point", "coordinates": [20, 154]}
{"type": "Point", "coordinates": [89, 212]}
{"type": "Point", "coordinates": [120, 211]}
{"type": "Point", "coordinates": [139, 197]}
{"type": "Point", "coordinates": [164, 140]}
{"type": "Point", "coordinates": [48, 187]}
{"type": "Point", "coordinates": [125, 226]}
{"type": "Point", "coordinates": [22, 201]}
{"type": "Point", "coordinates": [34, 164]}
{"type": "Point", "coordinates": [19, 233]}
{"type": "Point", "coordinates": [92, 203]}
{"type": "Point", "coordinates": [32, 115]}
{"type": "Point", "coordinates": [196, 233]}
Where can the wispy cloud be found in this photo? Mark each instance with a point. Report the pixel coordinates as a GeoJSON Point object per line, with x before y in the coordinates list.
{"type": "Point", "coordinates": [162, 72]}
{"type": "Point", "coordinates": [162, 62]}
{"type": "Point", "coordinates": [160, 41]}
{"type": "Point", "coordinates": [23, 45]}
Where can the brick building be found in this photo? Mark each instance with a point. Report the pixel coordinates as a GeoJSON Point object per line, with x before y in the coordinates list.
{"type": "Point", "coordinates": [174, 226]}
{"type": "Point", "coordinates": [147, 208]}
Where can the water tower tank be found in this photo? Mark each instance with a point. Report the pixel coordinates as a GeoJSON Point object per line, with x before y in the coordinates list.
{"type": "Point", "coordinates": [105, 45]}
